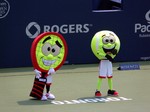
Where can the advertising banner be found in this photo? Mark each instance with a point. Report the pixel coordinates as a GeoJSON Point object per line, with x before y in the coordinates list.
{"type": "Point", "coordinates": [78, 20]}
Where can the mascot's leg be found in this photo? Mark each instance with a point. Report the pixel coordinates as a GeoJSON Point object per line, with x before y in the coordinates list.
{"type": "Point", "coordinates": [97, 93]}
{"type": "Point", "coordinates": [48, 87]}
{"type": "Point", "coordinates": [110, 83]}
{"type": "Point", "coordinates": [48, 84]}
{"type": "Point", "coordinates": [111, 91]}
{"type": "Point", "coordinates": [38, 88]}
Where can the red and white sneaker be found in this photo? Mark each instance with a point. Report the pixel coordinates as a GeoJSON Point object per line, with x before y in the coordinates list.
{"type": "Point", "coordinates": [98, 94]}
{"type": "Point", "coordinates": [112, 93]}
{"type": "Point", "coordinates": [50, 96]}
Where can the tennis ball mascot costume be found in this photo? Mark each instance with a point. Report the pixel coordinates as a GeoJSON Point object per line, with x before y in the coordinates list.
{"type": "Point", "coordinates": [105, 45]}
{"type": "Point", "coordinates": [48, 53]}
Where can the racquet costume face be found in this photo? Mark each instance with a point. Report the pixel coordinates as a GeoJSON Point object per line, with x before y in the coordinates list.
{"type": "Point", "coordinates": [48, 50]}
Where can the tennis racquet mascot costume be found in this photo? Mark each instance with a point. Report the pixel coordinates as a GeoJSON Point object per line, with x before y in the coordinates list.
{"type": "Point", "coordinates": [105, 45]}
{"type": "Point", "coordinates": [48, 53]}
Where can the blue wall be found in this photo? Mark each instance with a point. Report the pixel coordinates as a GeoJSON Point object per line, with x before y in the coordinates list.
{"type": "Point", "coordinates": [77, 22]}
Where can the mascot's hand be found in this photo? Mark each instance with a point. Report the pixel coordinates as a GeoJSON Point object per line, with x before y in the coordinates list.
{"type": "Point", "coordinates": [114, 52]}
{"type": "Point", "coordinates": [51, 71]}
{"type": "Point", "coordinates": [109, 58]}
{"type": "Point", "coordinates": [38, 73]}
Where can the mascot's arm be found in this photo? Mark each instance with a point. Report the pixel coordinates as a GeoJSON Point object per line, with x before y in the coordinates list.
{"type": "Point", "coordinates": [38, 73]}
{"type": "Point", "coordinates": [51, 71]}
{"type": "Point", "coordinates": [114, 52]}
{"type": "Point", "coordinates": [109, 57]}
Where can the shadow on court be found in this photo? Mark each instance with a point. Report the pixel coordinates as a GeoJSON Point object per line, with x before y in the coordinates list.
{"type": "Point", "coordinates": [34, 102]}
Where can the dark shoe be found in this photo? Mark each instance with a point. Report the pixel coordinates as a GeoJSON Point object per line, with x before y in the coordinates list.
{"type": "Point", "coordinates": [112, 93]}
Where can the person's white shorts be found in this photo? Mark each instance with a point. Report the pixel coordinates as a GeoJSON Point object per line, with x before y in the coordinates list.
{"type": "Point", "coordinates": [105, 69]}
{"type": "Point", "coordinates": [49, 79]}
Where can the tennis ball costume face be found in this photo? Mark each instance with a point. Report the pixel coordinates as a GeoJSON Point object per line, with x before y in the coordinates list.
{"type": "Point", "coordinates": [104, 42]}
{"type": "Point", "coordinates": [48, 50]}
